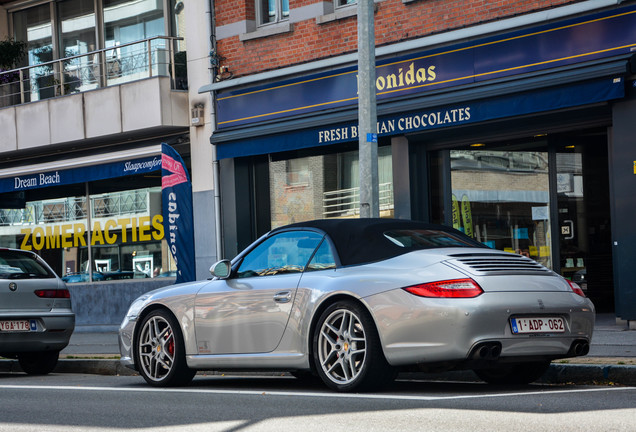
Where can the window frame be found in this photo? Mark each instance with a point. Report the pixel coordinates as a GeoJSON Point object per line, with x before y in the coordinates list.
{"type": "Point", "coordinates": [279, 13]}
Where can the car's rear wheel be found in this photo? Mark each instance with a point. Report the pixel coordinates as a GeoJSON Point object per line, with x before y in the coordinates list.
{"type": "Point", "coordinates": [347, 351]}
{"type": "Point", "coordinates": [38, 363]}
{"type": "Point", "coordinates": [160, 351]}
{"type": "Point", "coordinates": [521, 373]}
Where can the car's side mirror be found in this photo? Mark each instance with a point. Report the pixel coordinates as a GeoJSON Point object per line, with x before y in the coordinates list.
{"type": "Point", "coordinates": [221, 269]}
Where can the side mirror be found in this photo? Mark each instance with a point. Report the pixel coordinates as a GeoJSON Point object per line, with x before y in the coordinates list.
{"type": "Point", "coordinates": [221, 269]}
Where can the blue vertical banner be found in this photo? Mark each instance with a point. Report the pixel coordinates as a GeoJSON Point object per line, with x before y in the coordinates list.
{"type": "Point", "coordinates": [176, 203]}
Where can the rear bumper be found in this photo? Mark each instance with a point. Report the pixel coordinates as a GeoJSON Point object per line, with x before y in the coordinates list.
{"type": "Point", "coordinates": [415, 330]}
{"type": "Point", "coordinates": [53, 334]}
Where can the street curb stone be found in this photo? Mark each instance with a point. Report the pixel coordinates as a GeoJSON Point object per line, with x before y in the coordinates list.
{"type": "Point", "coordinates": [556, 374]}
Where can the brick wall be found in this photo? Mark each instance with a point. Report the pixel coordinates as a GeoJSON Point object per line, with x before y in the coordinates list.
{"type": "Point", "coordinates": [394, 22]}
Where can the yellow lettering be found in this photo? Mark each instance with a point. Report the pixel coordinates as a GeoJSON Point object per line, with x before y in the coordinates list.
{"type": "Point", "coordinates": [421, 75]}
{"type": "Point", "coordinates": [27, 233]}
{"type": "Point", "coordinates": [124, 226]}
{"type": "Point", "coordinates": [66, 235]}
{"type": "Point", "coordinates": [78, 237]}
{"type": "Point", "coordinates": [144, 228]}
{"type": "Point", "coordinates": [110, 238]}
{"type": "Point", "coordinates": [157, 224]}
{"type": "Point", "coordinates": [391, 81]}
{"type": "Point", "coordinates": [410, 75]}
{"type": "Point", "coordinates": [97, 237]}
{"type": "Point", "coordinates": [53, 237]}
{"type": "Point", "coordinates": [134, 229]}
{"type": "Point", "coordinates": [380, 83]}
{"type": "Point", "coordinates": [38, 238]}
{"type": "Point", "coordinates": [431, 73]}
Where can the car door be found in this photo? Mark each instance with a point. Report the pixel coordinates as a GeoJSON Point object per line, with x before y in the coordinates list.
{"type": "Point", "coordinates": [248, 312]}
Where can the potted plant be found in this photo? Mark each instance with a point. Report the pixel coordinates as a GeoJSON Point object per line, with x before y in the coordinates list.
{"type": "Point", "coordinates": [11, 54]}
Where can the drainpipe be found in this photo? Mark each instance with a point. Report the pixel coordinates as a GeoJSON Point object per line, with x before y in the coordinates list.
{"type": "Point", "coordinates": [215, 163]}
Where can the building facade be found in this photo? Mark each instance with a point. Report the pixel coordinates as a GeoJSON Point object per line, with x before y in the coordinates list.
{"type": "Point", "coordinates": [83, 114]}
{"type": "Point", "coordinates": [511, 121]}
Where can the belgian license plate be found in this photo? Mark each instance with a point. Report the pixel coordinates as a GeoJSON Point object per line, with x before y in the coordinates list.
{"type": "Point", "coordinates": [18, 326]}
{"type": "Point", "coordinates": [537, 325]}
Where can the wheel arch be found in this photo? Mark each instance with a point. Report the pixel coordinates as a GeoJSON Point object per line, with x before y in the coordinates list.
{"type": "Point", "coordinates": [142, 316]}
{"type": "Point", "coordinates": [323, 306]}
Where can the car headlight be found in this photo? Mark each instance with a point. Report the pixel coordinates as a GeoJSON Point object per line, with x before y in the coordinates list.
{"type": "Point", "coordinates": [136, 306]}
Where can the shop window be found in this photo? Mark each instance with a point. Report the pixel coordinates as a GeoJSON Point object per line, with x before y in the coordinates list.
{"type": "Point", "coordinates": [501, 199]}
{"type": "Point", "coordinates": [324, 186]}
{"type": "Point", "coordinates": [125, 236]}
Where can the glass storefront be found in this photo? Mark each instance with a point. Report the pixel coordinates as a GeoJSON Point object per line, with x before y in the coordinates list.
{"type": "Point", "coordinates": [501, 198]}
{"type": "Point", "coordinates": [324, 186]}
{"type": "Point", "coordinates": [125, 239]}
{"type": "Point", "coordinates": [544, 200]}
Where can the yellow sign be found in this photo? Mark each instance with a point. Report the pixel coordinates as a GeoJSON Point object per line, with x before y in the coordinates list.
{"type": "Point", "coordinates": [72, 235]}
{"type": "Point", "coordinates": [456, 214]}
{"type": "Point", "coordinates": [467, 216]}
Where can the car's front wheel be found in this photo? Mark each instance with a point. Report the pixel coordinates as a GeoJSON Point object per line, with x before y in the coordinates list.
{"type": "Point", "coordinates": [347, 351]}
{"type": "Point", "coordinates": [38, 363]}
{"type": "Point", "coordinates": [521, 373]}
{"type": "Point", "coordinates": [160, 351]}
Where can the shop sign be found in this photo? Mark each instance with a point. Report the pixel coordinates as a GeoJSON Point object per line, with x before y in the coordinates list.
{"type": "Point", "coordinates": [111, 231]}
{"type": "Point", "coordinates": [582, 93]}
{"type": "Point", "coordinates": [176, 201]}
{"type": "Point", "coordinates": [80, 174]}
{"type": "Point", "coordinates": [567, 42]}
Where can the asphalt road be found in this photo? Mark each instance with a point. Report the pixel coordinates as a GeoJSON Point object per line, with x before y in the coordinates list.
{"type": "Point", "coordinates": [72, 402]}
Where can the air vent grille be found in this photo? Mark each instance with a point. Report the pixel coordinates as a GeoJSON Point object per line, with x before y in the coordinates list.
{"type": "Point", "coordinates": [498, 264]}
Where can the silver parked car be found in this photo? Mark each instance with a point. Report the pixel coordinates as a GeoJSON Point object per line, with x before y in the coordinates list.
{"type": "Point", "coordinates": [353, 301]}
{"type": "Point", "coordinates": [36, 320]}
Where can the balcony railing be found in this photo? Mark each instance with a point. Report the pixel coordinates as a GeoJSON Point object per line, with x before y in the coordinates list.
{"type": "Point", "coordinates": [346, 202]}
{"type": "Point", "coordinates": [74, 208]}
{"type": "Point", "coordinates": [106, 67]}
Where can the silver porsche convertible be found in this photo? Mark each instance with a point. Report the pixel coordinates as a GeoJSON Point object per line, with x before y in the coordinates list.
{"type": "Point", "coordinates": [354, 301]}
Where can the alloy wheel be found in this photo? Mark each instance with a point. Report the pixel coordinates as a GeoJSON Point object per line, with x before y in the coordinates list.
{"type": "Point", "coordinates": [342, 346]}
{"type": "Point", "coordinates": [156, 348]}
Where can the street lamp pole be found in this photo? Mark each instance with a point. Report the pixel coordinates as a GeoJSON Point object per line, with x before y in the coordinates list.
{"type": "Point", "coordinates": [367, 113]}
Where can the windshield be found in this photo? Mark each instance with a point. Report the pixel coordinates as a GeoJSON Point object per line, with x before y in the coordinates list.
{"type": "Point", "coordinates": [21, 265]}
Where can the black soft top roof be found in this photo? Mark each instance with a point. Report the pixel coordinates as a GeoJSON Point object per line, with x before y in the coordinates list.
{"type": "Point", "coordinates": [359, 241]}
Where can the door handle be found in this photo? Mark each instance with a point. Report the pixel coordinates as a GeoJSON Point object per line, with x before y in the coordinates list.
{"type": "Point", "coordinates": [283, 297]}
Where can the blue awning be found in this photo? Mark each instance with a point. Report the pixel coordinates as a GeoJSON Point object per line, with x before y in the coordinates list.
{"type": "Point", "coordinates": [79, 170]}
{"type": "Point", "coordinates": [472, 112]}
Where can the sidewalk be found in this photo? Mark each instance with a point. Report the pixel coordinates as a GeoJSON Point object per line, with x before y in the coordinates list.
{"type": "Point", "coordinates": [612, 357]}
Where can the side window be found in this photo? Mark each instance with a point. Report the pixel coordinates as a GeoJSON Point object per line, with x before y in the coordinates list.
{"type": "Point", "coordinates": [286, 252]}
{"type": "Point", "coordinates": [323, 259]}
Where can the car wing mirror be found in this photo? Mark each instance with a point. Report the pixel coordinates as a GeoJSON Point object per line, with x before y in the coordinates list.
{"type": "Point", "coordinates": [221, 269]}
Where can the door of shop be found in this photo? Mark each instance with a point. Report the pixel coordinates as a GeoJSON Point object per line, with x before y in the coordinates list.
{"type": "Point", "coordinates": [584, 231]}
{"type": "Point", "coordinates": [548, 201]}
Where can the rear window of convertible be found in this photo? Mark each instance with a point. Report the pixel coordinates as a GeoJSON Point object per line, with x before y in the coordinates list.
{"type": "Point", "coordinates": [428, 239]}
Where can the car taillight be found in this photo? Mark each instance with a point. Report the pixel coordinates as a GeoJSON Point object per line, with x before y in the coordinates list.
{"type": "Point", "coordinates": [576, 288]}
{"type": "Point", "coordinates": [454, 288]}
{"type": "Point", "coordinates": [53, 293]}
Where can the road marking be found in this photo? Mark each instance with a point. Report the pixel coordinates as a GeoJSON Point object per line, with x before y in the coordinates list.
{"type": "Point", "coordinates": [310, 394]}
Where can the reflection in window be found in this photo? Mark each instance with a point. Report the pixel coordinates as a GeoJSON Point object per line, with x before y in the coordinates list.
{"type": "Point", "coordinates": [272, 11]}
{"type": "Point", "coordinates": [501, 199]}
{"type": "Point", "coordinates": [325, 186]}
{"type": "Point", "coordinates": [33, 25]}
{"type": "Point", "coordinates": [280, 254]}
{"type": "Point", "coordinates": [323, 258]}
{"type": "Point", "coordinates": [77, 35]}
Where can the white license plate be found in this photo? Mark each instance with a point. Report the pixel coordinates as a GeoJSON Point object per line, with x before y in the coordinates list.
{"type": "Point", "coordinates": [18, 326]}
{"type": "Point", "coordinates": [537, 325]}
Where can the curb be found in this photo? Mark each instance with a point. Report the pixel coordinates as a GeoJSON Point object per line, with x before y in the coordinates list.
{"type": "Point", "coordinates": [556, 374]}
